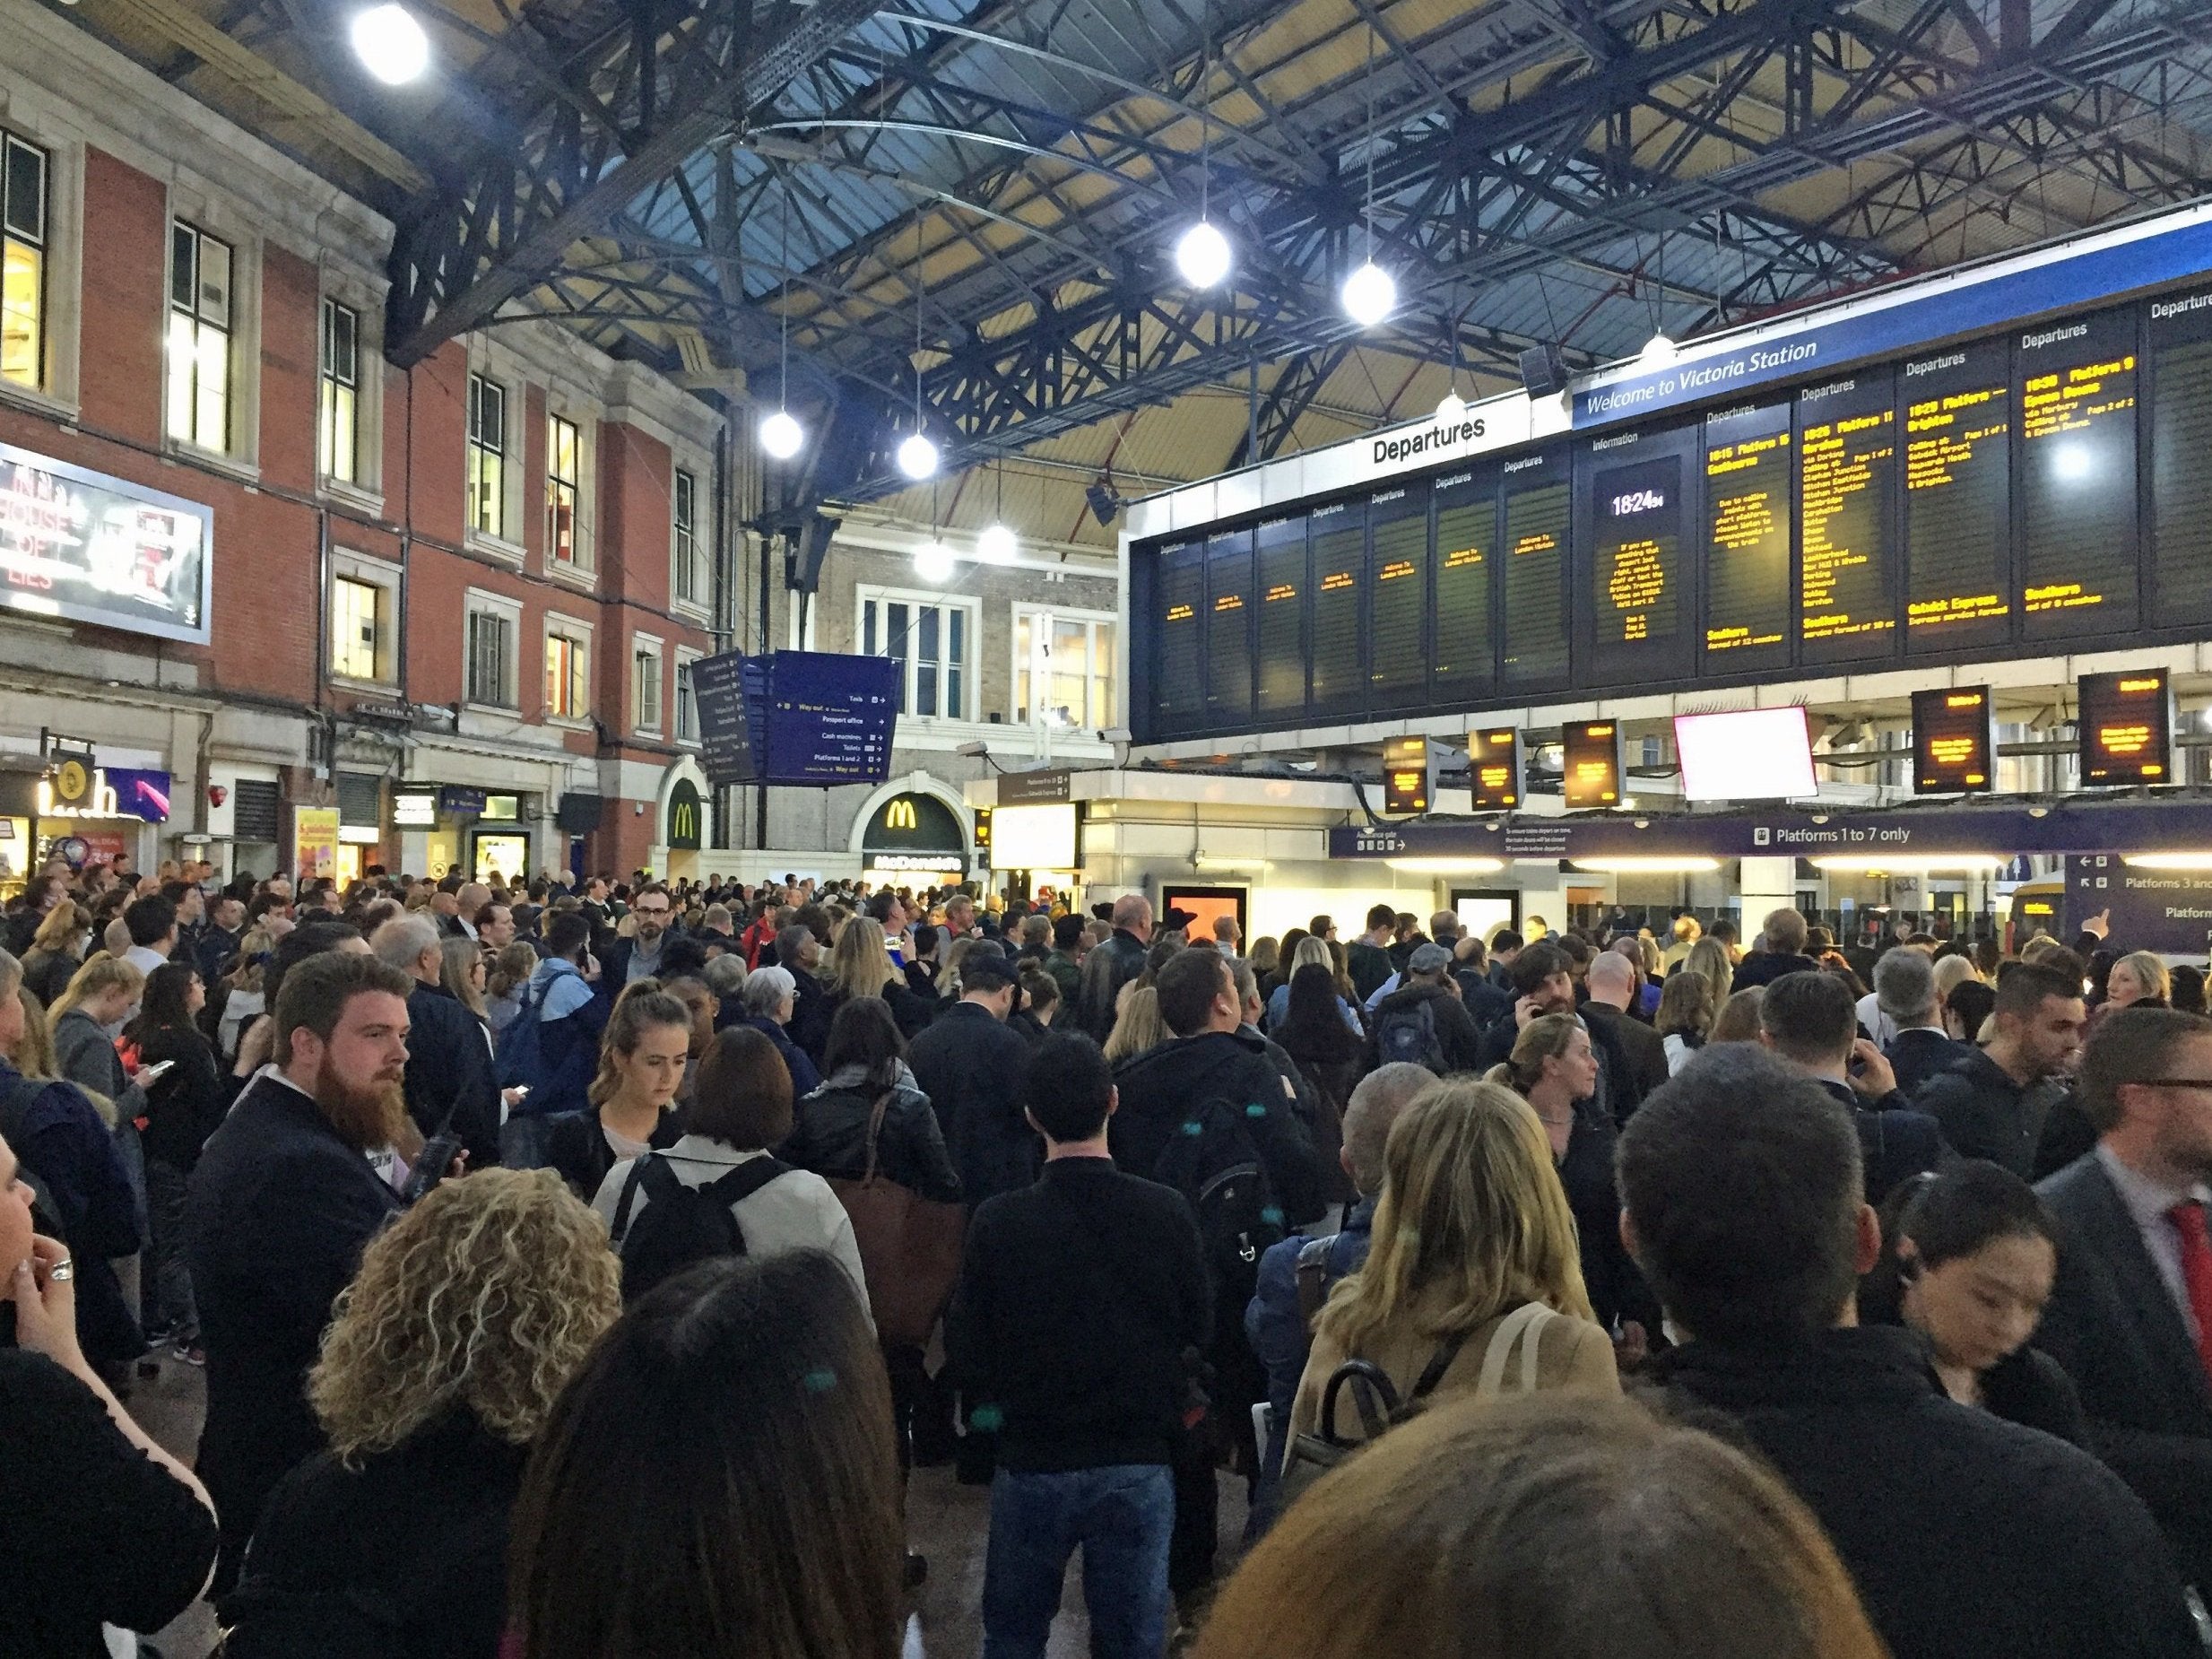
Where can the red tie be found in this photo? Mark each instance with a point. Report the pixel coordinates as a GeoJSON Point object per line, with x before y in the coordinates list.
{"type": "Point", "coordinates": [2188, 1222]}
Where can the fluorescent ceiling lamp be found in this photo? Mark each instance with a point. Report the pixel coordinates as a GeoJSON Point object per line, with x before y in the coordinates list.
{"type": "Point", "coordinates": [1447, 866]}
{"type": "Point", "coordinates": [933, 562]}
{"type": "Point", "coordinates": [2168, 861]}
{"type": "Point", "coordinates": [1940, 864]}
{"type": "Point", "coordinates": [1202, 255]}
{"type": "Point", "coordinates": [1370, 294]}
{"type": "Point", "coordinates": [918, 456]}
{"type": "Point", "coordinates": [997, 546]}
{"type": "Point", "coordinates": [1654, 864]}
{"type": "Point", "coordinates": [782, 436]}
{"type": "Point", "coordinates": [390, 44]}
{"type": "Point", "coordinates": [1210, 861]}
{"type": "Point", "coordinates": [1749, 754]}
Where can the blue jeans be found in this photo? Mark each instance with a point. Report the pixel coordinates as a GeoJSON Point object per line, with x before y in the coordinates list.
{"type": "Point", "coordinates": [1121, 1516]}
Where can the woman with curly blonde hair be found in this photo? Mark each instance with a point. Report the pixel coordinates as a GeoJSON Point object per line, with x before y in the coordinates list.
{"type": "Point", "coordinates": [441, 1364]}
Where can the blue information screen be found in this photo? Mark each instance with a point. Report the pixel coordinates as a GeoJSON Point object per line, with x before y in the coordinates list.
{"type": "Point", "coordinates": [803, 717]}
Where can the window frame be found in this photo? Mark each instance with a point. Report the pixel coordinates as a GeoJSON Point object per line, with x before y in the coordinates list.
{"type": "Point", "coordinates": [177, 315]}
{"type": "Point", "coordinates": [40, 242]}
{"type": "Point", "coordinates": [691, 549]}
{"type": "Point", "coordinates": [687, 732]}
{"type": "Point", "coordinates": [868, 597]}
{"type": "Point", "coordinates": [475, 602]}
{"type": "Point", "coordinates": [576, 634]}
{"type": "Point", "coordinates": [556, 482]}
{"type": "Point", "coordinates": [388, 580]}
{"type": "Point", "coordinates": [331, 384]}
{"type": "Point", "coordinates": [643, 648]}
{"type": "Point", "coordinates": [477, 448]}
{"type": "Point", "coordinates": [1100, 675]}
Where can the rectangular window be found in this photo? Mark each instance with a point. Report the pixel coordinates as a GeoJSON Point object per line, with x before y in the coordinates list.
{"type": "Point", "coordinates": [646, 690]}
{"type": "Point", "coordinates": [686, 705]}
{"type": "Point", "coordinates": [487, 480]}
{"type": "Point", "coordinates": [567, 677]}
{"type": "Point", "coordinates": [490, 675]}
{"type": "Point", "coordinates": [22, 262]}
{"type": "Point", "coordinates": [933, 641]}
{"type": "Point", "coordinates": [339, 402]}
{"type": "Point", "coordinates": [356, 617]}
{"type": "Point", "coordinates": [199, 338]}
{"type": "Point", "coordinates": [563, 464]}
{"type": "Point", "coordinates": [1064, 669]}
{"type": "Point", "coordinates": [693, 580]}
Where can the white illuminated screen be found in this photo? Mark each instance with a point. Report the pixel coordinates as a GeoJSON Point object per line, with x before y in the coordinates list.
{"type": "Point", "coordinates": [1753, 754]}
{"type": "Point", "coordinates": [1032, 838]}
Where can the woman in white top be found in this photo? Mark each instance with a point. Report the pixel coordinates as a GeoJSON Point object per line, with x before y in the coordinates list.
{"type": "Point", "coordinates": [741, 1106]}
{"type": "Point", "coordinates": [641, 1063]}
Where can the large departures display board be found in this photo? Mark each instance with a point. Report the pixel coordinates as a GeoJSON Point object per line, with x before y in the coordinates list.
{"type": "Point", "coordinates": [2042, 489]}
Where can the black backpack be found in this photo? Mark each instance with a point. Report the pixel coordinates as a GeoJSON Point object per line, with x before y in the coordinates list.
{"type": "Point", "coordinates": [682, 1224]}
{"type": "Point", "coordinates": [1409, 1034]}
{"type": "Point", "coordinates": [1213, 1161]}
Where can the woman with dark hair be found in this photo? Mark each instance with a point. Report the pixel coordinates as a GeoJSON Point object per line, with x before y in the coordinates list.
{"type": "Point", "coordinates": [1968, 1262]}
{"type": "Point", "coordinates": [184, 1105]}
{"type": "Point", "coordinates": [1968, 1009]}
{"type": "Point", "coordinates": [642, 1059]}
{"type": "Point", "coordinates": [740, 1107]}
{"type": "Point", "coordinates": [2185, 988]}
{"type": "Point", "coordinates": [720, 1477]}
{"type": "Point", "coordinates": [1329, 1056]}
{"type": "Point", "coordinates": [1285, 962]}
{"type": "Point", "coordinates": [865, 1060]}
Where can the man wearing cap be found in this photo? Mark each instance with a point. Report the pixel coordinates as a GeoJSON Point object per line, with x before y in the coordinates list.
{"type": "Point", "coordinates": [1427, 979]}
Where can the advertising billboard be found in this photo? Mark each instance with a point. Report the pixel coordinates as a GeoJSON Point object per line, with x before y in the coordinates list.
{"type": "Point", "coordinates": [82, 547]}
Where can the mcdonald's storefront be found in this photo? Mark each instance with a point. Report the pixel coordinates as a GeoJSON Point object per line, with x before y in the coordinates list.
{"type": "Point", "coordinates": [683, 828]}
{"type": "Point", "coordinates": [914, 839]}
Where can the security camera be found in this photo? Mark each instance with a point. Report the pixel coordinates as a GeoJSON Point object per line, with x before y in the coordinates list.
{"type": "Point", "coordinates": [975, 750]}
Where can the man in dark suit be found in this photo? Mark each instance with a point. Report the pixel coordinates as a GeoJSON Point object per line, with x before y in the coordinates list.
{"type": "Point", "coordinates": [1996, 1102]}
{"type": "Point", "coordinates": [2130, 1315]}
{"type": "Point", "coordinates": [1904, 990]}
{"type": "Point", "coordinates": [1612, 986]}
{"type": "Point", "coordinates": [970, 1063]}
{"type": "Point", "coordinates": [449, 1076]}
{"type": "Point", "coordinates": [1809, 1019]}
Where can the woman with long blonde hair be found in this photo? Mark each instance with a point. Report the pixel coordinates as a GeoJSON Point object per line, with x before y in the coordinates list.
{"type": "Point", "coordinates": [1474, 1282]}
{"type": "Point", "coordinates": [1138, 1028]}
{"type": "Point", "coordinates": [470, 1314]}
{"type": "Point", "coordinates": [1708, 959]}
{"type": "Point", "coordinates": [56, 949]}
{"type": "Point", "coordinates": [859, 964]}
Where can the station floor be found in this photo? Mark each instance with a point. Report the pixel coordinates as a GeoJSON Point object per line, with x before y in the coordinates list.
{"type": "Point", "coordinates": [947, 1521]}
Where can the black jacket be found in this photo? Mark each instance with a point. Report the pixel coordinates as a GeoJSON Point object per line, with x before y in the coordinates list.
{"type": "Point", "coordinates": [1456, 1034]}
{"type": "Point", "coordinates": [1894, 1145]}
{"type": "Point", "coordinates": [1642, 1051]}
{"type": "Point", "coordinates": [830, 1136]}
{"type": "Point", "coordinates": [1127, 952]}
{"type": "Point", "coordinates": [419, 1532]}
{"type": "Point", "coordinates": [1765, 967]}
{"type": "Point", "coordinates": [450, 1070]}
{"type": "Point", "coordinates": [1967, 1537]}
{"type": "Point", "coordinates": [911, 1014]}
{"type": "Point", "coordinates": [1159, 1087]}
{"type": "Point", "coordinates": [1079, 1299]}
{"type": "Point", "coordinates": [1984, 1113]}
{"type": "Point", "coordinates": [2113, 1325]}
{"type": "Point", "coordinates": [187, 1101]}
{"type": "Point", "coordinates": [276, 1218]}
{"type": "Point", "coordinates": [1920, 1054]}
{"type": "Point", "coordinates": [971, 1065]}
{"type": "Point", "coordinates": [1369, 965]}
{"type": "Point", "coordinates": [575, 1146]}
{"type": "Point", "coordinates": [811, 1011]}
{"type": "Point", "coordinates": [1614, 1283]}
{"type": "Point", "coordinates": [1485, 999]}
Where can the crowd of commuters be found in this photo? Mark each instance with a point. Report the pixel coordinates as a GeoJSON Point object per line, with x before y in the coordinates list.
{"type": "Point", "coordinates": [566, 1261]}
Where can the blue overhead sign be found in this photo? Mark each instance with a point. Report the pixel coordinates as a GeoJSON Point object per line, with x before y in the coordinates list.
{"type": "Point", "coordinates": [1970, 301]}
{"type": "Point", "coordinates": [800, 718]}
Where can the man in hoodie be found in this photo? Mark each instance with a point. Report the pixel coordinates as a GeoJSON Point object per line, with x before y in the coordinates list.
{"type": "Point", "coordinates": [564, 1057]}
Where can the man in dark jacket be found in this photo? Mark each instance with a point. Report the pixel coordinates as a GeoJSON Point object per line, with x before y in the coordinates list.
{"type": "Point", "coordinates": [448, 1083]}
{"type": "Point", "coordinates": [1486, 1001]}
{"type": "Point", "coordinates": [1968, 1537]}
{"type": "Point", "coordinates": [1808, 1019]}
{"type": "Point", "coordinates": [1125, 948]}
{"type": "Point", "coordinates": [1780, 950]}
{"type": "Point", "coordinates": [1367, 960]}
{"type": "Point", "coordinates": [970, 1063]}
{"type": "Point", "coordinates": [279, 1206]}
{"type": "Point", "coordinates": [1064, 963]}
{"type": "Point", "coordinates": [1994, 1102]}
{"type": "Point", "coordinates": [1612, 986]}
{"type": "Point", "coordinates": [799, 953]}
{"type": "Point", "coordinates": [1077, 1300]}
{"type": "Point", "coordinates": [2131, 1314]}
{"type": "Point", "coordinates": [1904, 993]}
{"type": "Point", "coordinates": [1395, 1028]}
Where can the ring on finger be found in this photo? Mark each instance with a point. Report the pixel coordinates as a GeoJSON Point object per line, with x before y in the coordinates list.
{"type": "Point", "coordinates": [62, 1272]}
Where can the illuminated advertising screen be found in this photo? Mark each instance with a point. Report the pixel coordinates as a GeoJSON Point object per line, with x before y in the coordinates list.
{"type": "Point", "coordinates": [1748, 754]}
{"type": "Point", "coordinates": [1953, 749]}
{"type": "Point", "coordinates": [82, 547]}
{"type": "Point", "coordinates": [2126, 729]}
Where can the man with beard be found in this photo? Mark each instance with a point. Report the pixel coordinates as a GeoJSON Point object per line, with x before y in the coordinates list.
{"type": "Point", "coordinates": [282, 1203]}
{"type": "Point", "coordinates": [638, 958]}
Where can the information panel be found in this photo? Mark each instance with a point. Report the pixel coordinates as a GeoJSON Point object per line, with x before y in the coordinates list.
{"type": "Point", "coordinates": [1748, 457]}
{"type": "Point", "coordinates": [1466, 539]}
{"type": "Point", "coordinates": [1398, 531]}
{"type": "Point", "coordinates": [1339, 550]}
{"type": "Point", "coordinates": [1537, 502]}
{"type": "Point", "coordinates": [1406, 779]}
{"type": "Point", "coordinates": [1631, 515]}
{"type": "Point", "coordinates": [1494, 768]}
{"type": "Point", "coordinates": [1180, 597]}
{"type": "Point", "coordinates": [1954, 745]}
{"type": "Point", "coordinates": [1281, 587]}
{"type": "Point", "coordinates": [2078, 485]}
{"type": "Point", "coordinates": [2180, 469]}
{"type": "Point", "coordinates": [1847, 577]}
{"type": "Point", "coordinates": [830, 717]}
{"type": "Point", "coordinates": [1593, 750]}
{"type": "Point", "coordinates": [1957, 498]}
{"type": "Point", "coordinates": [1228, 630]}
{"type": "Point", "coordinates": [2126, 729]}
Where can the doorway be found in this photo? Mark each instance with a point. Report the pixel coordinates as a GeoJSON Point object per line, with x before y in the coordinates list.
{"type": "Point", "coordinates": [1483, 910]}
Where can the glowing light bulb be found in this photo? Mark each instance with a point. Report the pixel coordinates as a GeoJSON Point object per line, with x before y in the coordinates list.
{"type": "Point", "coordinates": [918, 456]}
{"type": "Point", "coordinates": [1657, 348]}
{"type": "Point", "coordinates": [782, 436]}
{"type": "Point", "coordinates": [1453, 410]}
{"type": "Point", "coordinates": [1202, 255]}
{"type": "Point", "coordinates": [933, 562]}
{"type": "Point", "coordinates": [1370, 294]}
{"type": "Point", "coordinates": [997, 545]}
{"type": "Point", "coordinates": [390, 44]}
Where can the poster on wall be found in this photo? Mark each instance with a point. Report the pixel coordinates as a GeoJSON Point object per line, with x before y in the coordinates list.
{"type": "Point", "coordinates": [84, 547]}
{"type": "Point", "coordinates": [314, 842]}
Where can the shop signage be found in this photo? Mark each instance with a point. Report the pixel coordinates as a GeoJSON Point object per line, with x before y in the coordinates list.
{"type": "Point", "coordinates": [254, 807]}
{"type": "Point", "coordinates": [929, 864]}
{"type": "Point", "coordinates": [462, 802]}
{"type": "Point", "coordinates": [916, 823]}
{"type": "Point", "coordinates": [87, 548]}
{"type": "Point", "coordinates": [686, 815]}
{"type": "Point", "coordinates": [75, 791]}
{"type": "Point", "coordinates": [415, 810]}
{"type": "Point", "coordinates": [1035, 788]}
{"type": "Point", "coordinates": [314, 842]}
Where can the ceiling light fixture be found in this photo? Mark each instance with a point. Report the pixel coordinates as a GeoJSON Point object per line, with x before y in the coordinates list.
{"type": "Point", "coordinates": [1370, 293]}
{"type": "Point", "coordinates": [933, 561]}
{"type": "Point", "coordinates": [1202, 255]}
{"type": "Point", "coordinates": [918, 456]}
{"type": "Point", "coordinates": [781, 435]}
{"type": "Point", "coordinates": [391, 44]}
{"type": "Point", "coordinates": [997, 544]}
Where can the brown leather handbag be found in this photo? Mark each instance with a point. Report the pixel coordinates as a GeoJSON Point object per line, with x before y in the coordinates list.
{"type": "Point", "coordinates": [909, 1245]}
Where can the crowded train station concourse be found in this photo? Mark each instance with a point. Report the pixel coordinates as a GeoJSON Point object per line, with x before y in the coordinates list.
{"type": "Point", "coordinates": [1251, 829]}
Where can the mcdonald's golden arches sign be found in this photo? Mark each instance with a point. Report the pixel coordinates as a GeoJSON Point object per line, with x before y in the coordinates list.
{"type": "Point", "coordinates": [687, 816]}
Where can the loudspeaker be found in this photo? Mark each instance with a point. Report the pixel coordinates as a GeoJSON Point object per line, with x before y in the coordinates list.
{"type": "Point", "coordinates": [1544, 371]}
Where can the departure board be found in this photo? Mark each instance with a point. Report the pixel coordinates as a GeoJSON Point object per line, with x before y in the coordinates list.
{"type": "Point", "coordinates": [1398, 607]}
{"type": "Point", "coordinates": [1957, 498]}
{"type": "Point", "coordinates": [1538, 503]}
{"type": "Point", "coordinates": [1749, 479]}
{"type": "Point", "coordinates": [1494, 768]}
{"type": "Point", "coordinates": [2077, 484]}
{"type": "Point", "coordinates": [1847, 585]}
{"type": "Point", "coordinates": [1593, 756]}
{"type": "Point", "coordinates": [1466, 539]}
{"type": "Point", "coordinates": [2181, 456]}
{"type": "Point", "coordinates": [1339, 557]}
{"type": "Point", "coordinates": [1181, 598]}
{"type": "Point", "coordinates": [1635, 620]}
{"type": "Point", "coordinates": [1408, 774]}
{"type": "Point", "coordinates": [1228, 628]}
{"type": "Point", "coordinates": [1954, 744]}
{"type": "Point", "coordinates": [2125, 734]}
{"type": "Point", "coordinates": [1281, 585]}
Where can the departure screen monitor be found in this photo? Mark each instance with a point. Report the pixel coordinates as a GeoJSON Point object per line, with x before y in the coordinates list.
{"type": "Point", "coordinates": [1406, 776]}
{"type": "Point", "coordinates": [1494, 768]}
{"type": "Point", "coordinates": [2126, 728]}
{"type": "Point", "coordinates": [1954, 752]}
{"type": "Point", "coordinates": [1593, 749]}
{"type": "Point", "coordinates": [1749, 754]}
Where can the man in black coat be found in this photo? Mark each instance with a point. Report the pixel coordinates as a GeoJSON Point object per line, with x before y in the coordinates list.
{"type": "Point", "coordinates": [1995, 1102]}
{"type": "Point", "coordinates": [1780, 950]}
{"type": "Point", "coordinates": [1612, 986]}
{"type": "Point", "coordinates": [970, 1063]}
{"type": "Point", "coordinates": [1904, 991]}
{"type": "Point", "coordinates": [1125, 948]}
{"type": "Point", "coordinates": [1968, 1537]}
{"type": "Point", "coordinates": [799, 954]}
{"type": "Point", "coordinates": [280, 1205]}
{"type": "Point", "coordinates": [2130, 1315]}
{"type": "Point", "coordinates": [449, 1055]}
{"type": "Point", "coordinates": [1809, 1019]}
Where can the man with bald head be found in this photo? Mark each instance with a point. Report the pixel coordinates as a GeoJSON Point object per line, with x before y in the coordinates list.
{"type": "Point", "coordinates": [1125, 948]}
{"type": "Point", "coordinates": [1611, 981]}
{"type": "Point", "coordinates": [460, 923]}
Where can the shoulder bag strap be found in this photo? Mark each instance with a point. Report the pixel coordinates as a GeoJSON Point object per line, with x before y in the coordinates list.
{"type": "Point", "coordinates": [875, 1133]}
{"type": "Point", "coordinates": [630, 1192]}
{"type": "Point", "coordinates": [1439, 1362]}
{"type": "Point", "coordinates": [1524, 1324]}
